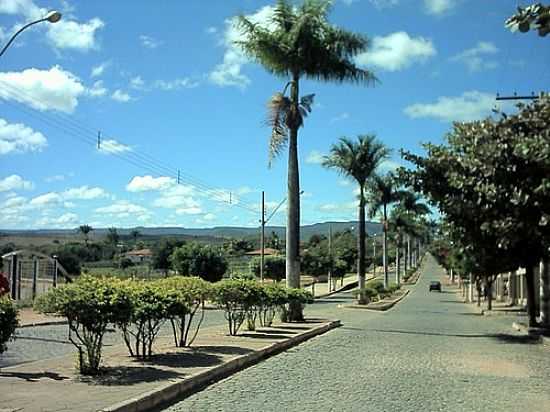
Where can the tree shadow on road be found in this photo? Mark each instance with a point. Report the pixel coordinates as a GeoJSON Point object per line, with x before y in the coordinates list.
{"type": "Point", "coordinates": [33, 376]}
{"type": "Point", "coordinates": [190, 359]}
{"type": "Point", "coordinates": [129, 375]}
{"type": "Point", "coordinates": [501, 337]}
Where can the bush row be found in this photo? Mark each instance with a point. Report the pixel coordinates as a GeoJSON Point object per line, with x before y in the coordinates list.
{"type": "Point", "coordinates": [138, 309]}
{"type": "Point", "coordinates": [374, 290]}
{"type": "Point", "coordinates": [8, 320]}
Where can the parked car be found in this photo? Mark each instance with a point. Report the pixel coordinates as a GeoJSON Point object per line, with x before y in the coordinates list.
{"type": "Point", "coordinates": [435, 285]}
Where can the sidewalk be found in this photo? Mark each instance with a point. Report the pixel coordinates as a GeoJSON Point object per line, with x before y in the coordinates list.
{"type": "Point", "coordinates": [28, 318]}
{"type": "Point", "coordinates": [321, 288]}
{"type": "Point", "coordinates": [130, 385]}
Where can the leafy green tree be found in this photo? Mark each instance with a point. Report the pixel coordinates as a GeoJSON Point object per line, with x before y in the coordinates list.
{"type": "Point", "coordinates": [85, 230]}
{"type": "Point", "coordinates": [238, 247]}
{"type": "Point", "coordinates": [299, 43]}
{"type": "Point", "coordinates": [135, 234]}
{"type": "Point", "coordinates": [70, 261]}
{"type": "Point", "coordinates": [274, 267]}
{"type": "Point", "coordinates": [193, 259]}
{"type": "Point", "coordinates": [162, 252]}
{"type": "Point", "coordinates": [112, 236]}
{"type": "Point", "coordinates": [533, 17]}
{"type": "Point", "coordinates": [358, 160]}
{"type": "Point", "coordinates": [383, 192]}
{"type": "Point", "coordinates": [491, 182]}
{"type": "Point", "coordinates": [8, 320]}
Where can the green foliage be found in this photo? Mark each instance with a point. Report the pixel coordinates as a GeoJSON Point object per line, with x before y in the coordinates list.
{"type": "Point", "coordinates": [162, 252]}
{"type": "Point", "coordinates": [188, 295]}
{"type": "Point", "coordinates": [237, 297]}
{"type": "Point", "coordinates": [376, 285]}
{"type": "Point", "coordinates": [125, 263]}
{"type": "Point", "coordinates": [69, 261]}
{"type": "Point", "coordinates": [8, 321]}
{"type": "Point", "coordinates": [90, 305]}
{"type": "Point", "coordinates": [368, 294]}
{"type": "Point", "coordinates": [274, 267]}
{"type": "Point", "coordinates": [237, 247]}
{"type": "Point", "coordinates": [193, 259]}
{"type": "Point", "coordinates": [112, 236]}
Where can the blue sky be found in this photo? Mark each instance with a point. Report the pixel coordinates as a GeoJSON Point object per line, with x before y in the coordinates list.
{"type": "Point", "coordinates": [168, 90]}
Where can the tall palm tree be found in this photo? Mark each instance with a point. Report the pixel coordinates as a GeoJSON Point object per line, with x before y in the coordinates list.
{"type": "Point", "coordinates": [410, 202]}
{"type": "Point", "coordinates": [299, 42]}
{"type": "Point", "coordinates": [85, 230]}
{"type": "Point", "coordinates": [358, 160]}
{"type": "Point", "coordinates": [383, 191]}
{"type": "Point", "coordinates": [399, 223]}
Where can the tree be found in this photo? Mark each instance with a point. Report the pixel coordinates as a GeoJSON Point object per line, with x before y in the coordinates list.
{"type": "Point", "coordinates": [161, 254]}
{"type": "Point", "coordinates": [135, 234]}
{"type": "Point", "coordinates": [112, 236]}
{"type": "Point", "coordinates": [358, 160]}
{"type": "Point", "coordinates": [384, 191]}
{"type": "Point", "coordinates": [85, 230]}
{"type": "Point", "coordinates": [193, 259]}
{"type": "Point", "coordinates": [299, 43]}
{"type": "Point", "coordinates": [533, 17]}
{"type": "Point", "coordinates": [491, 182]}
{"type": "Point", "coordinates": [274, 267]}
{"type": "Point", "coordinates": [410, 203]}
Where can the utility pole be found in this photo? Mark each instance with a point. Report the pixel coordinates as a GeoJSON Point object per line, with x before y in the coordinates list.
{"type": "Point", "coordinates": [374, 255]}
{"type": "Point", "coordinates": [262, 239]}
{"type": "Point", "coordinates": [330, 257]}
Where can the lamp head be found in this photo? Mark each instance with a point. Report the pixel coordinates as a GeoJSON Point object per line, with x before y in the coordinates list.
{"type": "Point", "coordinates": [53, 16]}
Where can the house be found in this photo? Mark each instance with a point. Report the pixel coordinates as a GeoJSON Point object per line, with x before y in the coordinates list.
{"type": "Point", "coordinates": [267, 252]}
{"type": "Point", "coordinates": [139, 256]}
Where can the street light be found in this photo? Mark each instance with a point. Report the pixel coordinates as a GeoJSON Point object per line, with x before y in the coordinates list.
{"type": "Point", "coordinates": [52, 17]}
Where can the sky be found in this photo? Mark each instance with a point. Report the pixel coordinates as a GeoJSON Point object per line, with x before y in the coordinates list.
{"type": "Point", "coordinates": [167, 91]}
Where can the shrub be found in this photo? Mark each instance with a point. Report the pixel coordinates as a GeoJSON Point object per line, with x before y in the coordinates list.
{"type": "Point", "coordinates": [369, 294]}
{"type": "Point", "coordinates": [394, 287]}
{"type": "Point", "coordinates": [8, 321]}
{"type": "Point", "coordinates": [195, 260]}
{"type": "Point", "coordinates": [275, 297]}
{"type": "Point", "coordinates": [90, 305]}
{"type": "Point", "coordinates": [125, 263]}
{"type": "Point", "coordinates": [376, 285]}
{"type": "Point", "coordinates": [296, 299]}
{"type": "Point", "coordinates": [150, 307]}
{"type": "Point", "coordinates": [236, 297]}
{"type": "Point", "coordinates": [274, 267]}
{"type": "Point", "coordinates": [188, 295]}
{"type": "Point", "coordinates": [4, 284]}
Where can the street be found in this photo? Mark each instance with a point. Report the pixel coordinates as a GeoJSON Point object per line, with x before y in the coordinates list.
{"type": "Point", "coordinates": [431, 352]}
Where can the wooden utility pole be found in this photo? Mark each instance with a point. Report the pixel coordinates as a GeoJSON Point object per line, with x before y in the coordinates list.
{"type": "Point", "coordinates": [262, 238]}
{"type": "Point", "coordinates": [330, 257]}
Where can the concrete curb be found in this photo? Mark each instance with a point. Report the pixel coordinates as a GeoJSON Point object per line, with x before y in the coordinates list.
{"type": "Point", "coordinates": [176, 390]}
{"type": "Point", "coordinates": [533, 332]}
{"type": "Point", "coordinates": [50, 323]}
{"type": "Point", "coordinates": [384, 306]}
{"type": "Point", "coordinates": [351, 285]}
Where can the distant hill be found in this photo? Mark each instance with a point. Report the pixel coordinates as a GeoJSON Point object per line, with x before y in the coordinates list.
{"type": "Point", "coordinates": [216, 232]}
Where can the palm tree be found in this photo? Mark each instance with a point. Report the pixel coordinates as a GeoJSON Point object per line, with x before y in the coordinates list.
{"type": "Point", "coordinates": [85, 230]}
{"type": "Point", "coordinates": [383, 192]}
{"type": "Point", "coordinates": [299, 42]}
{"type": "Point", "coordinates": [135, 234]}
{"type": "Point", "coordinates": [410, 202]}
{"type": "Point", "coordinates": [358, 160]}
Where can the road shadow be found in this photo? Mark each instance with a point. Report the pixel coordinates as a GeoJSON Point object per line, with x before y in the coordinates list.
{"type": "Point", "coordinates": [129, 375]}
{"type": "Point", "coordinates": [452, 301]}
{"type": "Point", "coordinates": [32, 338]}
{"type": "Point", "coordinates": [33, 376]}
{"type": "Point", "coordinates": [501, 337]}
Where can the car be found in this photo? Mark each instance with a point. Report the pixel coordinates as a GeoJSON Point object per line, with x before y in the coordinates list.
{"type": "Point", "coordinates": [435, 285]}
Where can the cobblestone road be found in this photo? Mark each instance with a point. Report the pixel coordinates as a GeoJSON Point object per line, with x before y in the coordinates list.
{"type": "Point", "coordinates": [429, 353]}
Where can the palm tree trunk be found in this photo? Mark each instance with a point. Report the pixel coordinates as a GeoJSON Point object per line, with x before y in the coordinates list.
{"type": "Point", "coordinates": [397, 271]}
{"type": "Point", "coordinates": [385, 249]}
{"type": "Point", "coordinates": [530, 280]}
{"type": "Point", "coordinates": [293, 213]}
{"type": "Point", "coordinates": [409, 261]}
{"type": "Point", "coordinates": [361, 245]}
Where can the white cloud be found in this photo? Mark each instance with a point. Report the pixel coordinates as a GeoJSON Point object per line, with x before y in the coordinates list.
{"type": "Point", "coordinates": [211, 30]}
{"type": "Point", "coordinates": [137, 83]}
{"type": "Point", "coordinates": [84, 193]}
{"type": "Point", "coordinates": [181, 198]}
{"type": "Point", "coordinates": [99, 69]}
{"type": "Point", "coordinates": [55, 178]}
{"type": "Point", "coordinates": [76, 36]}
{"type": "Point", "coordinates": [149, 42]}
{"type": "Point", "coordinates": [344, 182]}
{"type": "Point", "coordinates": [472, 105]}
{"type": "Point", "coordinates": [122, 207]}
{"type": "Point", "coordinates": [46, 200]}
{"type": "Point", "coordinates": [148, 183]}
{"type": "Point", "coordinates": [209, 217]}
{"type": "Point", "coordinates": [64, 221]}
{"type": "Point", "coordinates": [228, 73]}
{"type": "Point", "coordinates": [396, 51]}
{"type": "Point", "coordinates": [97, 89]}
{"type": "Point", "coordinates": [340, 117]}
{"type": "Point", "coordinates": [244, 190]}
{"type": "Point", "coordinates": [121, 96]}
{"type": "Point", "coordinates": [314, 157]}
{"type": "Point", "coordinates": [176, 84]}
{"type": "Point", "coordinates": [14, 202]}
{"type": "Point", "coordinates": [111, 146]}
{"type": "Point", "coordinates": [439, 7]}
{"type": "Point", "coordinates": [53, 89]}
{"type": "Point", "coordinates": [15, 182]}
{"type": "Point", "coordinates": [18, 138]}
{"type": "Point", "coordinates": [382, 4]}
{"type": "Point", "coordinates": [474, 58]}
{"type": "Point", "coordinates": [389, 166]}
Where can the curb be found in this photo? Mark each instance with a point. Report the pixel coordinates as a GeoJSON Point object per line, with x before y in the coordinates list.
{"type": "Point", "coordinates": [32, 325]}
{"type": "Point", "coordinates": [170, 392]}
{"type": "Point", "coordinates": [382, 307]}
{"type": "Point", "coordinates": [533, 332]}
{"type": "Point", "coordinates": [351, 285]}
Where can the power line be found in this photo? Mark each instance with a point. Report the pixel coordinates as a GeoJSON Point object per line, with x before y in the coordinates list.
{"type": "Point", "coordinates": [90, 136]}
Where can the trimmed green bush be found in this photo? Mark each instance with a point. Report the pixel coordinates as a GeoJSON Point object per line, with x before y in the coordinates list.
{"type": "Point", "coordinates": [193, 259]}
{"type": "Point", "coordinates": [376, 285]}
{"type": "Point", "coordinates": [236, 297]}
{"type": "Point", "coordinates": [8, 321]}
{"type": "Point", "coordinates": [274, 267]}
{"type": "Point", "coordinates": [90, 304]}
{"type": "Point", "coordinates": [296, 299]}
{"type": "Point", "coordinates": [369, 294]}
{"type": "Point", "coordinates": [188, 295]}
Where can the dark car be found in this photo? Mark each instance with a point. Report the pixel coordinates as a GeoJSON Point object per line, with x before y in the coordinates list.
{"type": "Point", "coordinates": [435, 286]}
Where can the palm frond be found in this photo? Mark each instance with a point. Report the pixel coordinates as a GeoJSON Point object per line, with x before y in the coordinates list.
{"type": "Point", "coordinates": [278, 108]}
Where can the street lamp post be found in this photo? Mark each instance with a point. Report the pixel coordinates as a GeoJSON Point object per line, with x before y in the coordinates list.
{"type": "Point", "coordinates": [51, 17]}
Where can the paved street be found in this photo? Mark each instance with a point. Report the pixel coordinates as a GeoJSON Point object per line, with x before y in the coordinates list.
{"type": "Point", "coordinates": [429, 353]}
